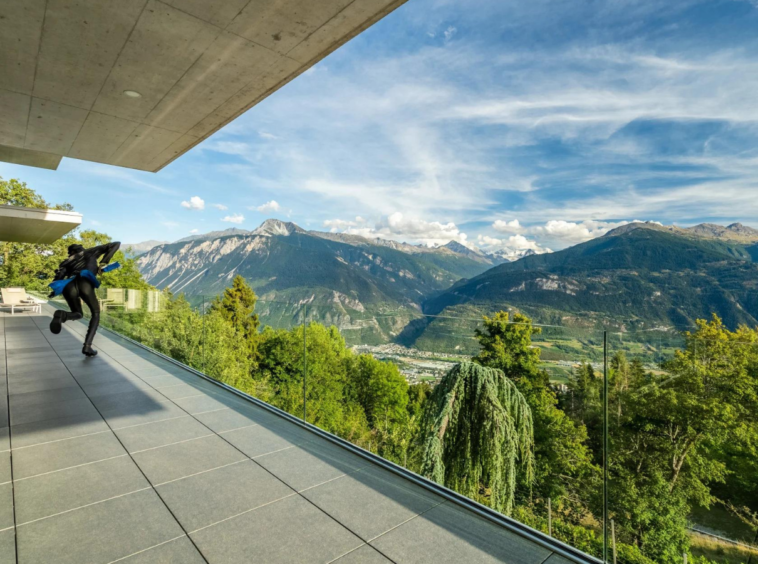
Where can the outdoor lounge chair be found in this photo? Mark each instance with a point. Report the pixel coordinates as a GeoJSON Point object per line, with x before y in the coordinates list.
{"type": "Point", "coordinates": [16, 299]}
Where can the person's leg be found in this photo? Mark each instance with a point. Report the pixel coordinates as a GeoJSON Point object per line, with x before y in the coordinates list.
{"type": "Point", "coordinates": [89, 297]}
{"type": "Point", "coordinates": [71, 295]}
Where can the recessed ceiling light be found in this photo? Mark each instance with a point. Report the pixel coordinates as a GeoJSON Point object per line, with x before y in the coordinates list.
{"type": "Point", "coordinates": [132, 94]}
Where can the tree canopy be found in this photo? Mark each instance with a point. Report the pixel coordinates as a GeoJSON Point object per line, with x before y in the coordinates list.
{"type": "Point", "coordinates": [33, 266]}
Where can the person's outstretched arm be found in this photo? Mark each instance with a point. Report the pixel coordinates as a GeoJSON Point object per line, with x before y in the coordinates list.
{"type": "Point", "coordinates": [107, 251]}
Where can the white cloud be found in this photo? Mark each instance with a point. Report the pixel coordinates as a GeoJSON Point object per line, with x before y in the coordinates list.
{"type": "Point", "coordinates": [221, 207]}
{"type": "Point", "coordinates": [510, 245]}
{"type": "Point", "coordinates": [267, 135]}
{"type": "Point", "coordinates": [507, 226]}
{"type": "Point", "coordinates": [555, 232]}
{"type": "Point", "coordinates": [426, 232]}
{"type": "Point", "coordinates": [569, 232]}
{"type": "Point", "coordinates": [234, 218]}
{"type": "Point", "coordinates": [336, 225]}
{"type": "Point", "coordinates": [268, 207]}
{"type": "Point", "coordinates": [449, 32]}
{"type": "Point", "coordinates": [402, 228]}
{"type": "Point", "coordinates": [559, 232]}
{"type": "Point", "coordinates": [195, 203]}
{"type": "Point", "coordinates": [193, 231]}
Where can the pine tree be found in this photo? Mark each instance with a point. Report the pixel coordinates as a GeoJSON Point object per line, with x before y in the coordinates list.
{"type": "Point", "coordinates": [478, 429]}
{"type": "Point", "coordinates": [237, 306]}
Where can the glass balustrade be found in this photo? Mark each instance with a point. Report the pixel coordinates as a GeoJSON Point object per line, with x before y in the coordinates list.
{"type": "Point", "coordinates": [589, 436]}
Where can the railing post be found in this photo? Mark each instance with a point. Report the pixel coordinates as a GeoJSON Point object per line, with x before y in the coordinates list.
{"type": "Point", "coordinates": [549, 517]}
{"type": "Point", "coordinates": [202, 312]}
{"type": "Point", "coordinates": [605, 446]}
{"type": "Point", "coordinates": [305, 360]}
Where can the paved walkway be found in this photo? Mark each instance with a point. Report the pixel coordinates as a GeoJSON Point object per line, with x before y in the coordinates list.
{"type": "Point", "coordinates": [128, 458]}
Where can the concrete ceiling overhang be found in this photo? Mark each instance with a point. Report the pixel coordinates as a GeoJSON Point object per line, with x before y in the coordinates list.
{"type": "Point", "coordinates": [33, 225]}
{"type": "Point", "coordinates": [197, 65]}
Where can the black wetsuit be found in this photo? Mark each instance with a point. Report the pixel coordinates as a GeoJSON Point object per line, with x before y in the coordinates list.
{"type": "Point", "coordinates": [80, 288]}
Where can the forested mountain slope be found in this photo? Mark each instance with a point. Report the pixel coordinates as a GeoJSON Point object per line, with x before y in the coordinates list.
{"type": "Point", "coordinates": [637, 276]}
{"type": "Point", "coordinates": [342, 279]}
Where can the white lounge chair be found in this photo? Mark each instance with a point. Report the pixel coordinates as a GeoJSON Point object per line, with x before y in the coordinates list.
{"type": "Point", "coordinates": [16, 299]}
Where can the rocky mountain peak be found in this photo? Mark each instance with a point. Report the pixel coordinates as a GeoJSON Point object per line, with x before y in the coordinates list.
{"type": "Point", "coordinates": [742, 229]}
{"type": "Point", "coordinates": [461, 249]}
{"type": "Point", "coordinates": [213, 235]}
{"type": "Point", "coordinates": [272, 227]}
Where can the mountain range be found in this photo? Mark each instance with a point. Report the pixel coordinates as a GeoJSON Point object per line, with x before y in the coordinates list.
{"type": "Point", "coordinates": [641, 276]}
{"type": "Point", "coordinates": [137, 249]}
{"type": "Point", "coordinates": [374, 286]}
{"type": "Point", "coordinates": [636, 277]}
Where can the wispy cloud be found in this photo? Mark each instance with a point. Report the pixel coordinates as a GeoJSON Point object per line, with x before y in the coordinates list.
{"type": "Point", "coordinates": [567, 118]}
{"type": "Point", "coordinates": [126, 179]}
{"type": "Point", "coordinates": [221, 207]}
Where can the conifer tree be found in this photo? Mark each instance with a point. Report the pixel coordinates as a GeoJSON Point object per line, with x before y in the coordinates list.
{"type": "Point", "coordinates": [506, 344]}
{"type": "Point", "coordinates": [478, 431]}
{"type": "Point", "coordinates": [237, 306]}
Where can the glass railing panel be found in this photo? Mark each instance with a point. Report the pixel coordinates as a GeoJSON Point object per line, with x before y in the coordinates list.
{"type": "Point", "coordinates": [144, 315]}
{"type": "Point", "coordinates": [682, 455]}
{"type": "Point", "coordinates": [566, 500]}
{"type": "Point", "coordinates": [386, 389]}
{"type": "Point", "coordinates": [241, 349]}
{"type": "Point", "coordinates": [370, 375]}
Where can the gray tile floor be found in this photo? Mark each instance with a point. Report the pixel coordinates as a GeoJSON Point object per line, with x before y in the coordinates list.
{"type": "Point", "coordinates": [128, 458]}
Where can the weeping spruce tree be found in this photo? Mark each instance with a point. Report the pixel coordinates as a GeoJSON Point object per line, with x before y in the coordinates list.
{"type": "Point", "coordinates": [478, 434]}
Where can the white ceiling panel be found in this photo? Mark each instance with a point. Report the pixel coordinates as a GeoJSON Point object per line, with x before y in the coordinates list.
{"type": "Point", "coordinates": [73, 72]}
{"type": "Point", "coordinates": [176, 149]}
{"type": "Point", "coordinates": [165, 43]}
{"type": "Point", "coordinates": [281, 25]}
{"type": "Point", "coordinates": [141, 147]}
{"type": "Point", "coordinates": [101, 136]}
{"type": "Point", "coordinates": [356, 17]}
{"type": "Point", "coordinates": [217, 12]}
{"type": "Point", "coordinates": [14, 111]}
{"type": "Point", "coordinates": [20, 29]}
{"type": "Point", "coordinates": [224, 69]}
{"type": "Point", "coordinates": [53, 127]}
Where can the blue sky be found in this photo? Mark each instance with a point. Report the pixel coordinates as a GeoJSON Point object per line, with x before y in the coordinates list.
{"type": "Point", "coordinates": [501, 124]}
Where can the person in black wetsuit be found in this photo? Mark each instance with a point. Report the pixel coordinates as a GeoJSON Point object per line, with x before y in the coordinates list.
{"type": "Point", "coordinates": [82, 288]}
